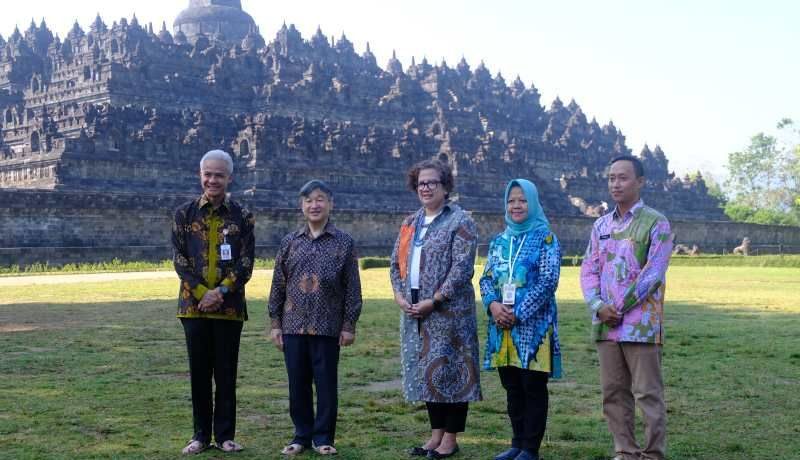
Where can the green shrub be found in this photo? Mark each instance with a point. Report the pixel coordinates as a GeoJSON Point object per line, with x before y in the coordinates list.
{"type": "Point", "coordinates": [374, 262]}
{"type": "Point", "coordinates": [571, 261]}
{"type": "Point", "coordinates": [265, 264]}
{"type": "Point", "coordinates": [716, 260]}
{"type": "Point", "coordinates": [116, 265]}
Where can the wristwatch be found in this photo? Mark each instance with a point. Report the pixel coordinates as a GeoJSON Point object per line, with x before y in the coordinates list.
{"type": "Point", "coordinates": [223, 289]}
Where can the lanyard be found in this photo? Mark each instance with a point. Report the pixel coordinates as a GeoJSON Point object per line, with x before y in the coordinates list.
{"type": "Point", "coordinates": [512, 261]}
{"type": "Point", "coordinates": [420, 224]}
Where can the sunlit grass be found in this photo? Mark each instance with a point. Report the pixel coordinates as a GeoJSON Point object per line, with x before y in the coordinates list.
{"type": "Point", "coordinates": [98, 370]}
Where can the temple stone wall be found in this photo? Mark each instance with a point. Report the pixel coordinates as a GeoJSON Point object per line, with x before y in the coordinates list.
{"type": "Point", "coordinates": [101, 131]}
{"type": "Point", "coordinates": [68, 227]}
{"type": "Point", "coordinates": [123, 108]}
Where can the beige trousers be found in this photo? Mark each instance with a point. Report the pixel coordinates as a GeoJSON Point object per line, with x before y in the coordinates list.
{"type": "Point", "coordinates": [632, 372]}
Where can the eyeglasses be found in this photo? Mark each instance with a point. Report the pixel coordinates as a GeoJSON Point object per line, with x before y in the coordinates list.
{"type": "Point", "coordinates": [430, 185]}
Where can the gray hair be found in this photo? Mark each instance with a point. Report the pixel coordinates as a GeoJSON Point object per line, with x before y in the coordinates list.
{"type": "Point", "coordinates": [220, 155]}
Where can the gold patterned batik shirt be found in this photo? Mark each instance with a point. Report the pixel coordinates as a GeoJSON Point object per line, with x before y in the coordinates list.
{"type": "Point", "coordinates": [198, 231]}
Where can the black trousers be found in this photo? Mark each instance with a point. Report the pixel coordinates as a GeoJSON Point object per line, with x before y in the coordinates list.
{"type": "Point", "coordinates": [527, 397]}
{"type": "Point", "coordinates": [312, 358]}
{"type": "Point", "coordinates": [450, 417]}
{"type": "Point", "coordinates": [213, 346]}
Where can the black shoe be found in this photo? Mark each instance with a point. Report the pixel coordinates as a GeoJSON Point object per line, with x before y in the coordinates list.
{"type": "Point", "coordinates": [434, 454]}
{"type": "Point", "coordinates": [418, 452]}
{"type": "Point", "coordinates": [510, 454]}
{"type": "Point", "coordinates": [525, 455]}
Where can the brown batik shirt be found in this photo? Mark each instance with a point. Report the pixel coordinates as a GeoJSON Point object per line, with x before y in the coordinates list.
{"type": "Point", "coordinates": [316, 289]}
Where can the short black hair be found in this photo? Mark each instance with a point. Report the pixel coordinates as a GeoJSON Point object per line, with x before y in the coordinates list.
{"type": "Point", "coordinates": [445, 175]}
{"type": "Point", "coordinates": [638, 167]}
{"type": "Point", "coordinates": [315, 184]}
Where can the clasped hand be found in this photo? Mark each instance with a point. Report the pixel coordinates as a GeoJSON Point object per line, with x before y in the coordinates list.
{"type": "Point", "coordinates": [211, 301]}
{"type": "Point", "coordinates": [503, 315]}
{"type": "Point", "coordinates": [418, 310]}
{"type": "Point", "coordinates": [608, 315]}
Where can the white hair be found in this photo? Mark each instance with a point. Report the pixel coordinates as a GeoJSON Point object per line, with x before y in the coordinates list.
{"type": "Point", "coordinates": [220, 155]}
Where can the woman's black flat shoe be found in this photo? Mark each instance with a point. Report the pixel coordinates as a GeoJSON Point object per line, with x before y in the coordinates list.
{"type": "Point", "coordinates": [434, 454]}
{"type": "Point", "coordinates": [418, 452]}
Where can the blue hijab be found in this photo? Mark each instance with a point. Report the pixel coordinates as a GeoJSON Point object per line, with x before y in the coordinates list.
{"type": "Point", "coordinates": [536, 219]}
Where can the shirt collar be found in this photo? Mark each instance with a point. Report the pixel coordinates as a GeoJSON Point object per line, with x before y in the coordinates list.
{"type": "Point", "coordinates": [204, 201]}
{"type": "Point", "coordinates": [637, 205]}
{"type": "Point", "coordinates": [306, 230]}
{"type": "Point", "coordinates": [446, 208]}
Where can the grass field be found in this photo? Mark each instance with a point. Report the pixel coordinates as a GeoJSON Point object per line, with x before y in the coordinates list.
{"type": "Point", "coordinates": [118, 266]}
{"type": "Point", "coordinates": [99, 370]}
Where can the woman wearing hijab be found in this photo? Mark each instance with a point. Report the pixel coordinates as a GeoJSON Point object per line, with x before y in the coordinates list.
{"type": "Point", "coordinates": [518, 288]}
{"type": "Point", "coordinates": [431, 272]}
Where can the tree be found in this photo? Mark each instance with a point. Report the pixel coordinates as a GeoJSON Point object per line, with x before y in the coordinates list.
{"type": "Point", "coordinates": [764, 179]}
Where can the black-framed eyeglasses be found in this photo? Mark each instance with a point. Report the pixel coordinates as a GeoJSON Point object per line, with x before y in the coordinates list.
{"type": "Point", "coordinates": [428, 185]}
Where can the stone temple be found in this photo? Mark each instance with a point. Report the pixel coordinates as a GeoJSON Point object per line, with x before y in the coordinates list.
{"type": "Point", "coordinates": [113, 120]}
{"type": "Point", "coordinates": [214, 17]}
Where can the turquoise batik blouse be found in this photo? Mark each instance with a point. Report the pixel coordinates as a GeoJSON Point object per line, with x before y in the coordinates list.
{"type": "Point", "coordinates": [536, 272]}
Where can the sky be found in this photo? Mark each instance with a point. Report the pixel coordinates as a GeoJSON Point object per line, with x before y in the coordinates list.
{"type": "Point", "coordinates": [698, 78]}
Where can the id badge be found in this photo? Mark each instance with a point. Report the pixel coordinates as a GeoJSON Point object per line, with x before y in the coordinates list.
{"type": "Point", "coordinates": [225, 252]}
{"type": "Point", "coordinates": [509, 293]}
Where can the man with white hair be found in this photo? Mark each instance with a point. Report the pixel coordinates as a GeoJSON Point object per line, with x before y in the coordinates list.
{"type": "Point", "coordinates": [214, 247]}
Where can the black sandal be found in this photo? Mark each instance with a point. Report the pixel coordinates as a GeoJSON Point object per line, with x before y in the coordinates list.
{"type": "Point", "coordinates": [418, 452]}
{"type": "Point", "coordinates": [434, 454]}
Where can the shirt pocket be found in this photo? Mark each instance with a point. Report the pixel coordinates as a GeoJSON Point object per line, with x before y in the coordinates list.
{"type": "Point", "coordinates": [230, 231]}
{"type": "Point", "coordinates": [626, 268]}
{"type": "Point", "coordinates": [295, 256]}
{"type": "Point", "coordinates": [329, 266]}
{"type": "Point", "coordinates": [526, 269]}
{"type": "Point", "coordinates": [605, 247]}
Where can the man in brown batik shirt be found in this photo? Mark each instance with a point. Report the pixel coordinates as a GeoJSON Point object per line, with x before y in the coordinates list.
{"type": "Point", "coordinates": [314, 304]}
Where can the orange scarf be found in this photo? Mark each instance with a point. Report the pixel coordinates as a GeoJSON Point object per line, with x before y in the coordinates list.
{"type": "Point", "coordinates": [403, 249]}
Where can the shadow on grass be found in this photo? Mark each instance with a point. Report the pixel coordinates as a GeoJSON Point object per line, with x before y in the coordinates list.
{"type": "Point", "coordinates": [100, 380]}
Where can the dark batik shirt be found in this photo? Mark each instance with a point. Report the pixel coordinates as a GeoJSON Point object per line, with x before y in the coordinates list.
{"type": "Point", "coordinates": [316, 289]}
{"type": "Point", "coordinates": [197, 233]}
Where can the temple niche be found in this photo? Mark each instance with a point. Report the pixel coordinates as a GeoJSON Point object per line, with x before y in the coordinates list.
{"type": "Point", "coordinates": [125, 96]}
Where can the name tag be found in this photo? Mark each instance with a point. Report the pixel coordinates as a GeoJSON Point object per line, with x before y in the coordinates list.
{"type": "Point", "coordinates": [225, 252]}
{"type": "Point", "coordinates": [509, 293]}
{"type": "Point", "coordinates": [605, 237]}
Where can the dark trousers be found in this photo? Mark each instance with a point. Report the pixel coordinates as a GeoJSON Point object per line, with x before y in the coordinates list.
{"type": "Point", "coordinates": [450, 417]}
{"type": "Point", "coordinates": [312, 359]}
{"type": "Point", "coordinates": [213, 346]}
{"type": "Point", "coordinates": [527, 397]}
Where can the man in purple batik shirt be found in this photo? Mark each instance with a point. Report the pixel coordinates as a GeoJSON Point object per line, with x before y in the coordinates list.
{"type": "Point", "coordinates": [623, 281]}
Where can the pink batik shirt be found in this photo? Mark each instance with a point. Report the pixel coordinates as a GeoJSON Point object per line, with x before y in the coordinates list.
{"type": "Point", "coordinates": [625, 266]}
